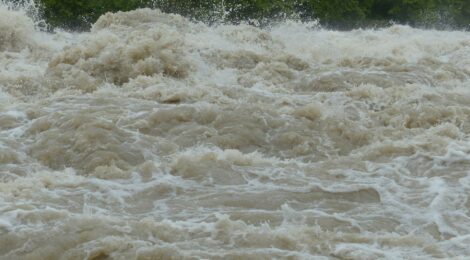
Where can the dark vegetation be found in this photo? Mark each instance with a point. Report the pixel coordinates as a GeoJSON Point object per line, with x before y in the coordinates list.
{"type": "Point", "coordinates": [339, 14]}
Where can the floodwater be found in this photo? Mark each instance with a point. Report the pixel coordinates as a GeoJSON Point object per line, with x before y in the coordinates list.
{"type": "Point", "coordinates": [153, 137]}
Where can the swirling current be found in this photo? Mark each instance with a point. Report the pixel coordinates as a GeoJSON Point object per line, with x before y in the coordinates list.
{"type": "Point", "coordinates": [154, 137]}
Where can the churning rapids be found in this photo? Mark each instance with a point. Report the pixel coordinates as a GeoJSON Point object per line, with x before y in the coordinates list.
{"type": "Point", "coordinates": [153, 137]}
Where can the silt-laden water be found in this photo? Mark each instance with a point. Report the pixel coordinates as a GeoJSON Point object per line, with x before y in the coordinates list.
{"type": "Point", "coordinates": [153, 137]}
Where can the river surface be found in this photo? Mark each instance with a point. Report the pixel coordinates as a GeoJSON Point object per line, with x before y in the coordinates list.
{"type": "Point", "coordinates": [153, 137]}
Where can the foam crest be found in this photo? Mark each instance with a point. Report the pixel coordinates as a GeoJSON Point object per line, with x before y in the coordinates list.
{"type": "Point", "coordinates": [16, 29]}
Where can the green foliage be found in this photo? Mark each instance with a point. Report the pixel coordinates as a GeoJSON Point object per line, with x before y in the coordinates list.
{"type": "Point", "coordinates": [337, 13]}
{"type": "Point", "coordinates": [79, 14]}
{"type": "Point", "coordinates": [343, 14]}
{"type": "Point", "coordinates": [429, 13]}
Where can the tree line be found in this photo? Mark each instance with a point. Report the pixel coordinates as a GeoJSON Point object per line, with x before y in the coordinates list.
{"type": "Point", "coordinates": [339, 14]}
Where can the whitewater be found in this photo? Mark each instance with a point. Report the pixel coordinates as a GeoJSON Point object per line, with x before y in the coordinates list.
{"type": "Point", "coordinates": [154, 137]}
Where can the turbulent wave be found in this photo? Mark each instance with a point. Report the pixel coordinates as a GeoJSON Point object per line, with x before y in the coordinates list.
{"type": "Point", "coordinates": [153, 137]}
